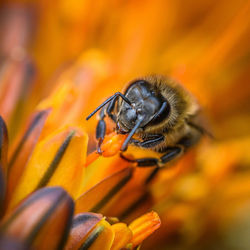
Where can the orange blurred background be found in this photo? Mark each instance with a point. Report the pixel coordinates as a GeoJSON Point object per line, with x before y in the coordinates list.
{"type": "Point", "coordinates": [204, 44]}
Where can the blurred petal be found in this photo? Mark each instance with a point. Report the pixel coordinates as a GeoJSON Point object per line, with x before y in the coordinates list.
{"type": "Point", "coordinates": [57, 160]}
{"type": "Point", "coordinates": [46, 213]}
{"type": "Point", "coordinates": [16, 81]}
{"type": "Point", "coordinates": [3, 145]}
{"type": "Point", "coordinates": [3, 162]}
{"type": "Point", "coordinates": [144, 226]}
{"type": "Point", "coordinates": [96, 198]}
{"type": "Point", "coordinates": [101, 237]}
{"type": "Point", "coordinates": [2, 190]}
{"type": "Point", "coordinates": [123, 236]}
{"type": "Point", "coordinates": [82, 224]}
{"type": "Point", "coordinates": [24, 149]}
{"type": "Point", "coordinates": [11, 243]}
{"type": "Point", "coordinates": [16, 24]}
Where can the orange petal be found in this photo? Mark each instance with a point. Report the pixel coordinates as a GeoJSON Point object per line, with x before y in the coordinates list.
{"type": "Point", "coordinates": [101, 237]}
{"type": "Point", "coordinates": [123, 236]}
{"type": "Point", "coordinates": [24, 149]}
{"type": "Point", "coordinates": [56, 160]}
{"type": "Point", "coordinates": [91, 158]}
{"type": "Point", "coordinates": [46, 213]}
{"type": "Point", "coordinates": [144, 226]}
{"type": "Point", "coordinates": [82, 224]}
{"type": "Point", "coordinates": [3, 145]}
{"type": "Point", "coordinates": [102, 168]}
{"type": "Point", "coordinates": [95, 198]}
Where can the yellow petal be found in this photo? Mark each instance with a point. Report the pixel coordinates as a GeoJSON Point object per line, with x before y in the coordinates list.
{"type": "Point", "coordinates": [123, 236]}
{"type": "Point", "coordinates": [56, 160]}
{"type": "Point", "coordinates": [41, 221]}
{"type": "Point", "coordinates": [95, 198]}
{"type": "Point", "coordinates": [101, 237]}
{"type": "Point", "coordinates": [24, 149]}
{"type": "Point", "coordinates": [82, 224]}
{"type": "Point", "coordinates": [143, 226]}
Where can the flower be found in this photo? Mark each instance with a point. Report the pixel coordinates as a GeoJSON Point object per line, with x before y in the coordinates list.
{"type": "Point", "coordinates": [34, 211]}
{"type": "Point", "coordinates": [58, 62]}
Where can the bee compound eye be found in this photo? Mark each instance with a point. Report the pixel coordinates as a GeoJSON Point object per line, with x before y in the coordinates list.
{"type": "Point", "coordinates": [131, 115]}
{"type": "Point", "coordinates": [139, 111]}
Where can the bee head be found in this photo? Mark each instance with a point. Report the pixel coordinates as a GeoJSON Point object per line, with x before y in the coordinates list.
{"type": "Point", "coordinates": [145, 105]}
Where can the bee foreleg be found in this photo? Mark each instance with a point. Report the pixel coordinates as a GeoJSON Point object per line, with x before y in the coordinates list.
{"type": "Point", "coordinates": [110, 109]}
{"type": "Point", "coordinates": [100, 130]}
{"type": "Point", "coordinates": [111, 98]}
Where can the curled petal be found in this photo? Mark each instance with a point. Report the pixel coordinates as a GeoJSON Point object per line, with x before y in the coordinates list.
{"type": "Point", "coordinates": [123, 236]}
{"type": "Point", "coordinates": [46, 213]}
{"type": "Point", "coordinates": [81, 226]}
{"type": "Point", "coordinates": [24, 149]}
{"type": "Point", "coordinates": [56, 160]}
{"type": "Point", "coordinates": [144, 226]}
{"type": "Point", "coordinates": [95, 198]}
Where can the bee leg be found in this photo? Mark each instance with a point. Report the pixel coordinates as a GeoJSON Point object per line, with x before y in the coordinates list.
{"type": "Point", "coordinates": [110, 109]}
{"type": "Point", "coordinates": [149, 143]}
{"type": "Point", "coordinates": [142, 162]}
{"type": "Point", "coordinates": [100, 131]}
{"type": "Point", "coordinates": [169, 154]}
{"type": "Point", "coordinates": [101, 126]}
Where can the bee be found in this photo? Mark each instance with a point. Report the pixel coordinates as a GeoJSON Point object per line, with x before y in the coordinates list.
{"type": "Point", "coordinates": [158, 114]}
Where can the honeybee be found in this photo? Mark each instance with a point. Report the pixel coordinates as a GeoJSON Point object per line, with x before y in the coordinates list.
{"type": "Point", "coordinates": [157, 113]}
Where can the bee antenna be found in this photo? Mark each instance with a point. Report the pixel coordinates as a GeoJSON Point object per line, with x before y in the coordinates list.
{"type": "Point", "coordinates": [109, 100]}
{"type": "Point", "coordinates": [132, 132]}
